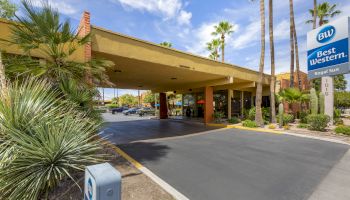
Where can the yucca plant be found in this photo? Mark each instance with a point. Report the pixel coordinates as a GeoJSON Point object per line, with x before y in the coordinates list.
{"type": "Point", "coordinates": [42, 140]}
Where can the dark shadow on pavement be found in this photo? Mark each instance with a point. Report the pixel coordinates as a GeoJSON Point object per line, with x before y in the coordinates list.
{"type": "Point", "coordinates": [145, 151]}
{"type": "Point", "coordinates": [124, 132]}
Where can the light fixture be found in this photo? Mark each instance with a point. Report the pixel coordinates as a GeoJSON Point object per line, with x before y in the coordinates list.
{"type": "Point", "coordinates": [117, 71]}
{"type": "Point", "coordinates": [173, 78]}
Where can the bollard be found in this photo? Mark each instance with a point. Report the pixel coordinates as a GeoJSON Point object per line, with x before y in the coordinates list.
{"type": "Point", "coordinates": [102, 182]}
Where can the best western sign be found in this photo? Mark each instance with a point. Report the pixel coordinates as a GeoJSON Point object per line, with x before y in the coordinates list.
{"type": "Point", "coordinates": [328, 49]}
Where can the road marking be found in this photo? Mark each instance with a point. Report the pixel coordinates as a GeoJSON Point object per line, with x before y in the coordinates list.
{"type": "Point", "coordinates": [245, 128]}
{"type": "Point", "coordinates": [168, 188]}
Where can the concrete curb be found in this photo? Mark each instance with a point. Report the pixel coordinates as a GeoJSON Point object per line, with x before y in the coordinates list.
{"type": "Point", "coordinates": [278, 132]}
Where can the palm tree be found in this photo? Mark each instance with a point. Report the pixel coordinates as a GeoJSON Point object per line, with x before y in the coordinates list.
{"type": "Point", "coordinates": [258, 113]}
{"type": "Point", "coordinates": [272, 54]}
{"type": "Point", "coordinates": [166, 44]}
{"type": "Point", "coordinates": [291, 29]}
{"type": "Point", "coordinates": [293, 95]}
{"type": "Point", "coordinates": [296, 48]}
{"type": "Point", "coordinates": [213, 47]}
{"type": "Point", "coordinates": [314, 15]}
{"type": "Point", "coordinates": [224, 28]}
{"type": "Point", "coordinates": [324, 11]}
{"type": "Point", "coordinates": [41, 30]}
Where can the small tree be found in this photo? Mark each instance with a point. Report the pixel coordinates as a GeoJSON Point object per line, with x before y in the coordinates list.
{"type": "Point", "coordinates": [7, 9]}
{"type": "Point", "coordinates": [128, 99]}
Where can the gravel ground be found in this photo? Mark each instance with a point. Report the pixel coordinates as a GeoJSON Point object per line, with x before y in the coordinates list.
{"type": "Point", "coordinates": [135, 185]}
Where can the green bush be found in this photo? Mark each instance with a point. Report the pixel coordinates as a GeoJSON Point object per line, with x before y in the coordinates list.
{"type": "Point", "coordinates": [234, 120]}
{"type": "Point", "coordinates": [43, 140]}
{"type": "Point", "coordinates": [343, 130]}
{"type": "Point", "coordinates": [218, 116]}
{"type": "Point", "coordinates": [111, 106]}
{"type": "Point", "coordinates": [249, 123]}
{"type": "Point", "coordinates": [318, 122]}
{"type": "Point", "coordinates": [302, 125]}
{"type": "Point", "coordinates": [287, 118]}
{"type": "Point", "coordinates": [338, 121]}
{"type": "Point", "coordinates": [303, 117]}
{"type": "Point", "coordinates": [265, 113]}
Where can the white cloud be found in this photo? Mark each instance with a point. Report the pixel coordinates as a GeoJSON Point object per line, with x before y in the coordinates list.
{"type": "Point", "coordinates": [184, 17]}
{"type": "Point", "coordinates": [168, 9]}
{"type": "Point", "coordinates": [202, 35]}
{"type": "Point", "coordinates": [248, 36]}
{"type": "Point", "coordinates": [62, 6]}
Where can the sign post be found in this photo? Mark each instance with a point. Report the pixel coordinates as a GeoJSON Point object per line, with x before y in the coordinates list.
{"type": "Point", "coordinates": [328, 55]}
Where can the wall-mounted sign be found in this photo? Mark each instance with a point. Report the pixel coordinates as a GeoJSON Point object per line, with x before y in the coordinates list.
{"type": "Point", "coordinates": [328, 49]}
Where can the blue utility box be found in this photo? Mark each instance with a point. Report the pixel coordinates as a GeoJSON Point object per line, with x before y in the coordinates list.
{"type": "Point", "coordinates": [102, 182]}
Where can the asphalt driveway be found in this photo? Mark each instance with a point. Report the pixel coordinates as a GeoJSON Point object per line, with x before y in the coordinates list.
{"type": "Point", "coordinates": [235, 164]}
{"type": "Point", "coordinates": [120, 129]}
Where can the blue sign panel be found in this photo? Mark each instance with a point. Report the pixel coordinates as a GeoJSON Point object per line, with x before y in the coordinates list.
{"type": "Point", "coordinates": [328, 49]}
{"type": "Point", "coordinates": [330, 54]}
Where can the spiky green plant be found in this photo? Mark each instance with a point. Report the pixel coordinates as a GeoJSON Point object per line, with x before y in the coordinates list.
{"type": "Point", "coordinates": [322, 102]}
{"type": "Point", "coordinates": [280, 114]}
{"type": "Point", "coordinates": [313, 101]}
{"type": "Point", "coordinates": [42, 140]}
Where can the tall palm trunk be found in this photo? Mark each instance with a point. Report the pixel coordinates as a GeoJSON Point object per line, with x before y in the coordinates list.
{"type": "Point", "coordinates": [315, 15]}
{"type": "Point", "coordinates": [2, 75]}
{"type": "Point", "coordinates": [297, 56]}
{"type": "Point", "coordinates": [223, 48]}
{"type": "Point", "coordinates": [296, 48]}
{"type": "Point", "coordinates": [272, 53]}
{"type": "Point", "coordinates": [291, 16]}
{"type": "Point", "coordinates": [258, 99]}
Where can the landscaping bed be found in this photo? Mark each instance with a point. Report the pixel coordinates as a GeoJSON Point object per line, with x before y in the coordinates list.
{"type": "Point", "coordinates": [135, 185]}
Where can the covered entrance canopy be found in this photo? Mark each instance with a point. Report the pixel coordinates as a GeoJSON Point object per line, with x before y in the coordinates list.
{"type": "Point", "coordinates": [141, 64]}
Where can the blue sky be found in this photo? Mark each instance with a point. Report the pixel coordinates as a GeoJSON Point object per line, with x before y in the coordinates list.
{"type": "Point", "coordinates": [187, 24]}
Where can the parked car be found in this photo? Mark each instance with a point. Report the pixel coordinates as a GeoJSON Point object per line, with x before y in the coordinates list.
{"type": "Point", "coordinates": [118, 110]}
{"type": "Point", "coordinates": [146, 111]}
{"type": "Point", "coordinates": [130, 111]}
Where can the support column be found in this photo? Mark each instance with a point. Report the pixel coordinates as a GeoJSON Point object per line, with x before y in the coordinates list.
{"type": "Point", "coordinates": [182, 104]}
{"type": "Point", "coordinates": [208, 106]}
{"type": "Point", "coordinates": [163, 108]}
{"type": "Point", "coordinates": [229, 103]}
{"type": "Point", "coordinates": [328, 91]}
{"type": "Point", "coordinates": [242, 104]}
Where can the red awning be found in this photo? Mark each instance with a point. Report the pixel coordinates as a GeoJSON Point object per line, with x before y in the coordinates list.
{"type": "Point", "coordinates": [201, 101]}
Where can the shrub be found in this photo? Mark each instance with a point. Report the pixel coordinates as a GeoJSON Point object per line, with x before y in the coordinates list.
{"type": "Point", "coordinates": [249, 123]}
{"type": "Point", "coordinates": [43, 140]}
{"type": "Point", "coordinates": [287, 118]}
{"type": "Point", "coordinates": [234, 120]}
{"type": "Point", "coordinates": [111, 106]}
{"type": "Point", "coordinates": [265, 113]}
{"type": "Point", "coordinates": [338, 121]}
{"type": "Point", "coordinates": [302, 125]}
{"type": "Point", "coordinates": [318, 122]}
{"type": "Point", "coordinates": [272, 126]}
{"type": "Point", "coordinates": [343, 130]}
{"type": "Point", "coordinates": [218, 116]}
{"type": "Point", "coordinates": [286, 127]}
{"type": "Point", "coordinates": [303, 117]}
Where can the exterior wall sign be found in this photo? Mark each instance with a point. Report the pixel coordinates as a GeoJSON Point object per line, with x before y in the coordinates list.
{"type": "Point", "coordinates": [328, 49]}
